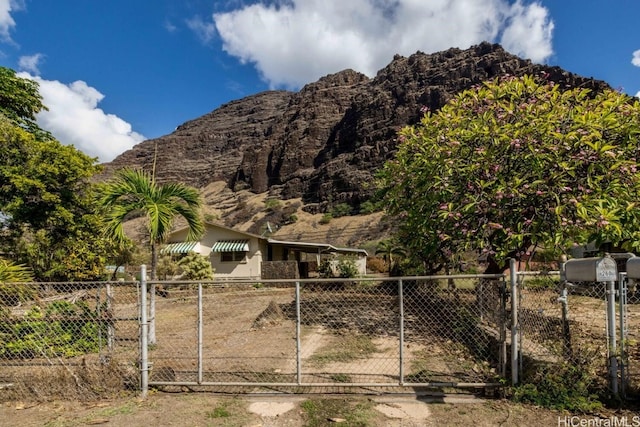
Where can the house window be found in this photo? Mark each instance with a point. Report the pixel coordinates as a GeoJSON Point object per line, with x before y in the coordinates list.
{"type": "Point", "coordinates": [232, 256]}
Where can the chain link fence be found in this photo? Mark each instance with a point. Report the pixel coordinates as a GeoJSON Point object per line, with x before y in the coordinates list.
{"type": "Point", "coordinates": [83, 340]}
{"type": "Point", "coordinates": [630, 338]}
{"type": "Point", "coordinates": [567, 322]}
{"type": "Point", "coordinates": [68, 340]}
{"type": "Point", "coordinates": [327, 335]}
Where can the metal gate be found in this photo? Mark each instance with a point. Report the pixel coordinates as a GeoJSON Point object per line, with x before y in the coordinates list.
{"type": "Point", "coordinates": [325, 334]}
{"type": "Point", "coordinates": [559, 321]}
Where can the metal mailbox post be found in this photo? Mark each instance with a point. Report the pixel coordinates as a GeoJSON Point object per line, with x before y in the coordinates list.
{"type": "Point", "coordinates": [601, 270]}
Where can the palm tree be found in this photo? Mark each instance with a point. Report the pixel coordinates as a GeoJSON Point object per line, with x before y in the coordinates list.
{"type": "Point", "coordinates": [135, 192]}
{"type": "Point", "coordinates": [12, 276]}
{"type": "Point", "coordinates": [388, 248]}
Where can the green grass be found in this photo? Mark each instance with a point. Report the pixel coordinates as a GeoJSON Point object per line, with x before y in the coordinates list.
{"type": "Point", "coordinates": [229, 412]}
{"type": "Point", "coordinates": [345, 349]}
{"type": "Point", "coordinates": [341, 378]}
{"type": "Point", "coordinates": [324, 412]}
{"type": "Point", "coordinates": [219, 412]}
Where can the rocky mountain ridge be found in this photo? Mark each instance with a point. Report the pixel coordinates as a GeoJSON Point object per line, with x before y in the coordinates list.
{"type": "Point", "coordinates": [324, 143]}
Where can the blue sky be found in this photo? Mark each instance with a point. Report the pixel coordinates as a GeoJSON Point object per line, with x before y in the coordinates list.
{"type": "Point", "coordinates": [116, 72]}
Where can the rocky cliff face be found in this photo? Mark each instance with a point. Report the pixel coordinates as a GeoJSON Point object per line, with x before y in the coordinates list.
{"type": "Point", "coordinates": [324, 143]}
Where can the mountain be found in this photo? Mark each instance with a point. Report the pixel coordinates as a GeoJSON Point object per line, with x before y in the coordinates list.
{"type": "Point", "coordinates": [323, 144]}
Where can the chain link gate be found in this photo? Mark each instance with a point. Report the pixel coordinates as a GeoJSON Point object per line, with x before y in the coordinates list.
{"type": "Point", "coordinates": [629, 316]}
{"type": "Point", "coordinates": [329, 334]}
{"type": "Point", "coordinates": [562, 322]}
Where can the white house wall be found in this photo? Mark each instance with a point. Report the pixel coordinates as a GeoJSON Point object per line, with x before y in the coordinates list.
{"type": "Point", "coordinates": [250, 267]}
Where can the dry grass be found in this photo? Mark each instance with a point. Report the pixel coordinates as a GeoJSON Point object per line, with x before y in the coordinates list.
{"type": "Point", "coordinates": [80, 383]}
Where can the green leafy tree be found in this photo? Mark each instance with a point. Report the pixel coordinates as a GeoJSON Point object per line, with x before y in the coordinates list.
{"type": "Point", "coordinates": [20, 101]}
{"type": "Point", "coordinates": [134, 192]}
{"type": "Point", "coordinates": [46, 206]}
{"type": "Point", "coordinates": [46, 203]}
{"type": "Point", "coordinates": [516, 164]}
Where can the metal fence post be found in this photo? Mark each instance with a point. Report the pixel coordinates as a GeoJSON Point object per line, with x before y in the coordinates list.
{"type": "Point", "coordinates": [144, 337]}
{"type": "Point", "coordinates": [624, 334]}
{"type": "Point", "coordinates": [111, 330]}
{"type": "Point", "coordinates": [564, 300]}
{"type": "Point", "coordinates": [611, 326]}
{"type": "Point", "coordinates": [513, 276]}
{"type": "Point", "coordinates": [401, 333]}
{"type": "Point", "coordinates": [152, 312]}
{"type": "Point", "coordinates": [503, 328]}
{"type": "Point", "coordinates": [200, 331]}
{"type": "Point", "coordinates": [298, 333]}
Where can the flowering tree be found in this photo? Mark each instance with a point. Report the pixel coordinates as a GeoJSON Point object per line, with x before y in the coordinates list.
{"type": "Point", "coordinates": [516, 164]}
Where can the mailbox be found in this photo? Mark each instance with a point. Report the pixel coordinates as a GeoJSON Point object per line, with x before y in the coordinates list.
{"type": "Point", "coordinates": [633, 268]}
{"type": "Point", "coordinates": [601, 269]}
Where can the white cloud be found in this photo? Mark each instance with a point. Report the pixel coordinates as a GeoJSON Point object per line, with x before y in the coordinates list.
{"type": "Point", "coordinates": [294, 42]}
{"type": "Point", "coordinates": [6, 20]}
{"type": "Point", "coordinates": [74, 118]}
{"type": "Point", "coordinates": [31, 63]}
{"type": "Point", "coordinates": [528, 32]}
{"type": "Point", "coordinates": [206, 31]}
{"type": "Point", "coordinates": [636, 58]}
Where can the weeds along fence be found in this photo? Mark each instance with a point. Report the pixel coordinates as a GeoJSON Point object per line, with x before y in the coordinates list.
{"type": "Point", "coordinates": [68, 340]}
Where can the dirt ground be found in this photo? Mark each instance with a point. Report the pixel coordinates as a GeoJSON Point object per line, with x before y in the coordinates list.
{"type": "Point", "coordinates": [206, 409]}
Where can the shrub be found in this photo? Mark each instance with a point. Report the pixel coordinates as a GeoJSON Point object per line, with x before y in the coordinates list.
{"type": "Point", "coordinates": [368, 207]}
{"type": "Point", "coordinates": [167, 267]}
{"type": "Point", "coordinates": [326, 218]}
{"type": "Point", "coordinates": [272, 204]}
{"type": "Point", "coordinates": [325, 269]}
{"type": "Point", "coordinates": [342, 209]}
{"type": "Point", "coordinates": [196, 267]}
{"type": "Point", "coordinates": [344, 268]}
{"type": "Point", "coordinates": [347, 268]}
{"type": "Point", "coordinates": [376, 265]}
{"type": "Point", "coordinates": [291, 219]}
{"type": "Point", "coordinates": [570, 386]}
{"type": "Point", "coordinates": [63, 329]}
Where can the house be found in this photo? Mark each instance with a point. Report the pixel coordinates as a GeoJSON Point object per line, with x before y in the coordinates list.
{"type": "Point", "coordinates": [237, 254]}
